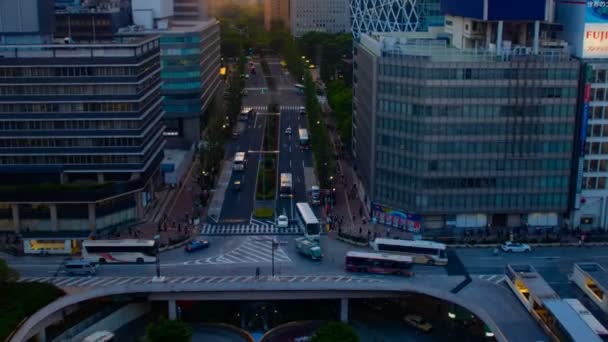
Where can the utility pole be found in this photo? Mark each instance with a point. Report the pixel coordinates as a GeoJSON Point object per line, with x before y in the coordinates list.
{"type": "Point", "coordinates": [275, 245]}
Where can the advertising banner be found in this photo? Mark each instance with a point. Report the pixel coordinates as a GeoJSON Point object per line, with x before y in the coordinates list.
{"type": "Point", "coordinates": [595, 39]}
{"type": "Point", "coordinates": [396, 219]}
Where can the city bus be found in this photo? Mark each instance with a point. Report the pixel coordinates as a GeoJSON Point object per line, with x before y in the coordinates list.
{"type": "Point", "coordinates": [299, 88]}
{"type": "Point", "coordinates": [303, 134]}
{"type": "Point", "coordinates": [588, 318]}
{"type": "Point", "coordinates": [427, 252]}
{"type": "Point", "coordinates": [378, 263]}
{"type": "Point", "coordinates": [307, 221]}
{"type": "Point", "coordinates": [239, 161]}
{"type": "Point", "coordinates": [286, 186]}
{"type": "Point", "coordinates": [119, 251]}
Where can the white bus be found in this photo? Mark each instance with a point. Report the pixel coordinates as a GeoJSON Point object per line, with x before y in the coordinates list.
{"type": "Point", "coordinates": [119, 251]}
{"type": "Point", "coordinates": [299, 88]}
{"type": "Point", "coordinates": [588, 317]}
{"type": "Point", "coordinates": [239, 161]}
{"type": "Point", "coordinates": [303, 134]}
{"type": "Point", "coordinates": [286, 186]}
{"type": "Point", "coordinates": [307, 221]}
{"type": "Point", "coordinates": [432, 253]}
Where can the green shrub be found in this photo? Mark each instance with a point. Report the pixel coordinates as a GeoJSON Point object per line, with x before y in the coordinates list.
{"type": "Point", "coordinates": [335, 332]}
{"type": "Point", "coordinates": [20, 300]}
{"type": "Point", "coordinates": [165, 330]}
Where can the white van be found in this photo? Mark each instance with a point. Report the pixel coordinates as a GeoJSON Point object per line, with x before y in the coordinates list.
{"type": "Point", "coordinates": [79, 267]}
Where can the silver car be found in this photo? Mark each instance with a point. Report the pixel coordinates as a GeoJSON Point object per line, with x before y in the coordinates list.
{"type": "Point", "coordinates": [511, 246]}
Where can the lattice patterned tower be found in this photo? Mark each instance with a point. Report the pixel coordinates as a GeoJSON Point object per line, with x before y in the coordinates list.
{"type": "Point", "coordinates": [394, 15]}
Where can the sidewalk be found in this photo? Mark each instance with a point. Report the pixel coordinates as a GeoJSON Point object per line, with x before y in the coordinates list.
{"type": "Point", "coordinates": [350, 210]}
{"type": "Point", "coordinates": [174, 218]}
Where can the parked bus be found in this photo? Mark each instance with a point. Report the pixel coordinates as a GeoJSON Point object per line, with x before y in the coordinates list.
{"type": "Point", "coordinates": [588, 318]}
{"type": "Point", "coordinates": [307, 221]}
{"type": "Point", "coordinates": [303, 134]}
{"type": "Point", "coordinates": [239, 161]}
{"type": "Point", "coordinates": [427, 252]}
{"type": "Point", "coordinates": [286, 188]}
{"type": "Point", "coordinates": [119, 251]}
{"type": "Point", "coordinates": [378, 263]}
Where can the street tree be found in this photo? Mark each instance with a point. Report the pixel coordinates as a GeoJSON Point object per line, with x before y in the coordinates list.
{"type": "Point", "coordinates": [335, 332]}
{"type": "Point", "coordinates": [7, 274]}
{"type": "Point", "coordinates": [166, 330]}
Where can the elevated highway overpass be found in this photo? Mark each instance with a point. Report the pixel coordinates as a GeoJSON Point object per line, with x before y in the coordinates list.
{"type": "Point", "coordinates": [493, 303]}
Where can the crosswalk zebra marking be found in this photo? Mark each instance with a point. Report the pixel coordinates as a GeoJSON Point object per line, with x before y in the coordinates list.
{"type": "Point", "coordinates": [130, 281]}
{"type": "Point", "coordinates": [254, 228]}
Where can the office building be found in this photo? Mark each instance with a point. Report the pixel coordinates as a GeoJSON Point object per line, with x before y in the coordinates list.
{"type": "Point", "coordinates": [330, 16]}
{"type": "Point", "coordinates": [585, 28]}
{"type": "Point", "coordinates": [190, 53]}
{"type": "Point", "coordinates": [26, 22]}
{"type": "Point", "coordinates": [191, 78]}
{"type": "Point", "coordinates": [93, 22]}
{"type": "Point", "coordinates": [190, 9]}
{"type": "Point", "coordinates": [276, 11]}
{"type": "Point", "coordinates": [473, 128]}
{"type": "Point", "coordinates": [80, 138]}
{"type": "Point", "coordinates": [394, 16]}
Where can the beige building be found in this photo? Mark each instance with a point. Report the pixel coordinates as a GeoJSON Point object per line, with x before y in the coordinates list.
{"type": "Point", "coordinates": [276, 10]}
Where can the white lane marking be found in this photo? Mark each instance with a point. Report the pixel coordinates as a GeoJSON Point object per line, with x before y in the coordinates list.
{"type": "Point", "coordinates": [124, 281]}
{"type": "Point", "coordinates": [98, 282]}
{"type": "Point", "coordinates": [63, 281]}
{"type": "Point", "coordinates": [75, 282]}
{"type": "Point", "coordinates": [199, 279]}
{"type": "Point", "coordinates": [290, 160]}
{"type": "Point", "coordinates": [111, 282]}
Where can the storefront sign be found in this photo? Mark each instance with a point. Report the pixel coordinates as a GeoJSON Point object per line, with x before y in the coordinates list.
{"type": "Point", "coordinates": [396, 219]}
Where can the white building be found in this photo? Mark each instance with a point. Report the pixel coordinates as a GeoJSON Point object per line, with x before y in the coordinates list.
{"type": "Point", "coordinates": [585, 28]}
{"type": "Point", "coordinates": [331, 16]}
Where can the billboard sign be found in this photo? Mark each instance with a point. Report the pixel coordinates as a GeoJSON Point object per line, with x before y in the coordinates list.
{"type": "Point", "coordinates": [395, 218]}
{"type": "Point", "coordinates": [595, 39]}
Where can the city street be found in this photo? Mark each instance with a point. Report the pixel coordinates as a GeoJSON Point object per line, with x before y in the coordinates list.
{"type": "Point", "coordinates": [238, 206]}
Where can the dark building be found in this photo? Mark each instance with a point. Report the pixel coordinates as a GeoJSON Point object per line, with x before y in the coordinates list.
{"type": "Point", "coordinates": [90, 23]}
{"type": "Point", "coordinates": [473, 131]}
{"type": "Point", "coordinates": [81, 137]}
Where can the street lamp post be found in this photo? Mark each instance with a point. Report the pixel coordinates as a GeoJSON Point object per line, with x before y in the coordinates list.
{"type": "Point", "coordinates": [157, 278]}
{"type": "Point", "coordinates": [275, 245]}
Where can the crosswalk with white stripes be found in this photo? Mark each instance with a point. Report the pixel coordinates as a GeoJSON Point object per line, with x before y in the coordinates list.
{"type": "Point", "coordinates": [291, 107]}
{"type": "Point", "coordinates": [254, 250]}
{"type": "Point", "coordinates": [265, 108]}
{"type": "Point", "coordinates": [96, 282]}
{"type": "Point", "coordinates": [247, 229]}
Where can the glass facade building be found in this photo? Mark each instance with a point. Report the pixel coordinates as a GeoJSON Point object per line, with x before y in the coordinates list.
{"type": "Point", "coordinates": [80, 134]}
{"type": "Point", "coordinates": [464, 137]}
{"type": "Point", "coordinates": [190, 59]}
{"type": "Point", "coordinates": [394, 16]}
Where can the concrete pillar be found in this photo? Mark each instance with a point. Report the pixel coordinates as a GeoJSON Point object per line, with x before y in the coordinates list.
{"type": "Point", "coordinates": [63, 178]}
{"type": "Point", "coordinates": [41, 336]}
{"type": "Point", "coordinates": [139, 206]}
{"type": "Point", "coordinates": [344, 310]}
{"type": "Point", "coordinates": [488, 34]}
{"type": "Point", "coordinates": [536, 37]}
{"type": "Point", "coordinates": [54, 221]}
{"type": "Point", "coordinates": [16, 218]}
{"type": "Point", "coordinates": [172, 310]}
{"type": "Point", "coordinates": [100, 177]}
{"type": "Point", "coordinates": [499, 38]}
{"type": "Point", "coordinates": [92, 218]}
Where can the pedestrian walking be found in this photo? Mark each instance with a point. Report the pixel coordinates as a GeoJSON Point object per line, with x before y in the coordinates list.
{"type": "Point", "coordinates": [360, 231]}
{"type": "Point", "coordinates": [257, 273]}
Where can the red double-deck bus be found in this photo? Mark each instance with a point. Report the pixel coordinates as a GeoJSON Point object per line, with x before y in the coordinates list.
{"type": "Point", "coordinates": [379, 263]}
